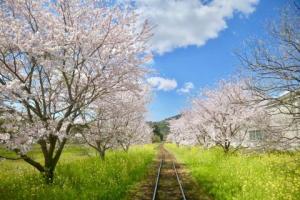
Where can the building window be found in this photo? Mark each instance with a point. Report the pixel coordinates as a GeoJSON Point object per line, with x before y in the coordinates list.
{"type": "Point", "coordinates": [255, 135]}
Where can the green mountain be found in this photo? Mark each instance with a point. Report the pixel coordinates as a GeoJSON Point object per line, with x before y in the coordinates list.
{"type": "Point", "coordinates": [161, 128]}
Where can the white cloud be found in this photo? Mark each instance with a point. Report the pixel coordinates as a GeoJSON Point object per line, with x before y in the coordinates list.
{"type": "Point", "coordinates": [180, 23]}
{"type": "Point", "coordinates": [187, 87]}
{"type": "Point", "coordinates": [160, 83]}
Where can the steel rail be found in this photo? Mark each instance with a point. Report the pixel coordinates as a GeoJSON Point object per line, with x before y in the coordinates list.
{"type": "Point", "coordinates": [179, 182]}
{"type": "Point", "coordinates": [158, 177]}
{"type": "Point", "coordinates": [157, 180]}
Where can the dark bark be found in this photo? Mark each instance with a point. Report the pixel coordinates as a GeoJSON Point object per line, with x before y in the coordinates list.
{"type": "Point", "coordinates": [33, 163]}
{"type": "Point", "coordinates": [49, 175]}
{"type": "Point", "coordinates": [102, 154]}
{"type": "Point", "coordinates": [126, 149]}
{"type": "Point", "coordinates": [226, 146]}
{"type": "Point", "coordinates": [50, 158]}
{"type": "Point", "coordinates": [58, 152]}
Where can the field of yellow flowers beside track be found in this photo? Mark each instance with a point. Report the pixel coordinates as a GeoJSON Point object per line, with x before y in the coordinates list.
{"type": "Point", "coordinates": [79, 175]}
{"type": "Point", "coordinates": [268, 176]}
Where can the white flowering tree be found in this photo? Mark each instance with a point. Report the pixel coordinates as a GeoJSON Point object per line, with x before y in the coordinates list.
{"type": "Point", "coordinates": [133, 128]}
{"type": "Point", "coordinates": [134, 131]}
{"type": "Point", "coordinates": [221, 116]}
{"type": "Point", "coordinates": [117, 121]}
{"type": "Point", "coordinates": [228, 112]}
{"type": "Point", "coordinates": [197, 129]}
{"type": "Point", "coordinates": [178, 131]}
{"type": "Point", "coordinates": [56, 58]}
{"type": "Point", "coordinates": [274, 65]}
{"type": "Point", "coordinates": [100, 130]}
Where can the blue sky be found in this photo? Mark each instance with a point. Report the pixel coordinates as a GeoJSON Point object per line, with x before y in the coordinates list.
{"type": "Point", "coordinates": [201, 62]}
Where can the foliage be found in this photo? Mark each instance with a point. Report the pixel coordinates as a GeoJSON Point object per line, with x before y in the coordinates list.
{"type": "Point", "coordinates": [161, 128]}
{"type": "Point", "coordinates": [243, 177]}
{"type": "Point", "coordinates": [155, 139]}
{"type": "Point", "coordinates": [80, 175]}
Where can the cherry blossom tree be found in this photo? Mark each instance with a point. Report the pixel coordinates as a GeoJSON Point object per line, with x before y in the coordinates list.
{"type": "Point", "coordinates": [178, 131]}
{"type": "Point", "coordinates": [56, 59]}
{"type": "Point", "coordinates": [200, 134]}
{"type": "Point", "coordinates": [189, 130]}
{"type": "Point", "coordinates": [223, 116]}
{"type": "Point", "coordinates": [133, 126]}
{"type": "Point", "coordinates": [228, 112]}
{"type": "Point", "coordinates": [100, 132]}
{"type": "Point", "coordinates": [137, 131]}
{"type": "Point", "coordinates": [117, 122]}
{"type": "Point", "coordinates": [274, 65]}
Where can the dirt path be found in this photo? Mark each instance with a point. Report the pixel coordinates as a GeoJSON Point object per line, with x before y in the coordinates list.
{"type": "Point", "coordinates": [168, 188]}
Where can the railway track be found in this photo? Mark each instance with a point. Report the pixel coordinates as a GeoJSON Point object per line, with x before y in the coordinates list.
{"type": "Point", "coordinates": [166, 165]}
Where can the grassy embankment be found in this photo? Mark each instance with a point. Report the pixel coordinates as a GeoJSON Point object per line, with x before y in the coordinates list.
{"type": "Point", "coordinates": [80, 174]}
{"type": "Point", "coordinates": [272, 176]}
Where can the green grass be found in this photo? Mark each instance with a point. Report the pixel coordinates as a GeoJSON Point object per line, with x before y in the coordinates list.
{"type": "Point", "coordinates": [273, 176]}
{"type": "Point", "coordinates": [79, 175]}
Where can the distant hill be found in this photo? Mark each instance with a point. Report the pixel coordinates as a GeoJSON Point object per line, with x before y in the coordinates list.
{"type": "Point", "coordinates": [173, 117]}
{"type": "Point", "coordinates": [161, 128]}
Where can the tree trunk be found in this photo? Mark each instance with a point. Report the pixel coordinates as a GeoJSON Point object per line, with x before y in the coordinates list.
{"type": "Point", "coordinates": [49, 176]}
{"type": "Point", "coordinates": [226, 149]}
{"type": "Point", "coordinates": [102, 155]}
{"type": "Point", "coordinates": [226, 146]}
{"type": "Point", "coordinates": [47, 173]}
{"type": "Point", "coordinates": [126, 149]}
{"type": "Point", "coordinates": [47, 170]}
